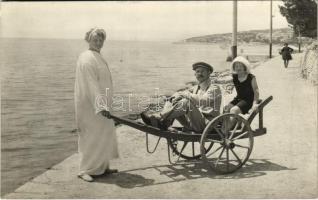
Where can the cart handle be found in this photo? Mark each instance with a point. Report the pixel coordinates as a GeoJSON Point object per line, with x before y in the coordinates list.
{"type": "Point", "coordinates": [259, 111]}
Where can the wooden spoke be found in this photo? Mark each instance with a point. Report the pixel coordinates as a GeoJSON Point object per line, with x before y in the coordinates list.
{"type": "Point", "coordinates": [234, 130]}
{"type": "Point", "coordinates": [225, 121]}
{"type": "Point", "coordinates": [210, 154]}
{"type": "Point", "coordinates": [183, 149]}
{"type": "Point", "coordinates": [237, 145]}
{"type": "Point", "coordinates": [227, 159]}
{"type": "Point", "coordinates": [215, 141]}
{"type": "Point", "coordinates": [193, 153]}
{"type": "Point", "coordinates": [243, 126]}
{"type": "Point", "coordinates": [219, 132]}
{"type": "Point", "coordinates": [217, 161]}
{"type": "Point", "coordinates": [238, 159]}
{"type": "Point", "coordinates": [240, 136]}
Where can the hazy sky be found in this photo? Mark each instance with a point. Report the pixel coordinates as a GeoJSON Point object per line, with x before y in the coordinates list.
{"type": "Point", "coordinates": [133, 20]}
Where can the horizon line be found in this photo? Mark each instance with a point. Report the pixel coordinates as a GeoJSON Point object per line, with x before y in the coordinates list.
{"type": "Point", "coordinates": [145, 40]}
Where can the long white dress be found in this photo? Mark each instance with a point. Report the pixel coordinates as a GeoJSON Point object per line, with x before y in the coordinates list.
{"type": "Point", "coordinates": [97, 143]}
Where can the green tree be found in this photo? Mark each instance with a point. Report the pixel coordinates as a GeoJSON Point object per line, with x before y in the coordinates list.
{"type": "Point", "coordinates": [301, 16]}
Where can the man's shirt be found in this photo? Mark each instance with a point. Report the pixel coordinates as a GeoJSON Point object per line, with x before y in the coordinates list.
{"type": "Point", "coordinates": [207, 97]}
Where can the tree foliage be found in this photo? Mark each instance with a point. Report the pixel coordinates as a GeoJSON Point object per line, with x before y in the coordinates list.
{"type": "Point", "coordinates": [301, 16]}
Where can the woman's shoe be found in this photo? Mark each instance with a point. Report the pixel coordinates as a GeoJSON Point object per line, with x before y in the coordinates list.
{"type": "Point", "coordinates": [111, 171]}
{"type": "Point", "coordinates": [86, 177]}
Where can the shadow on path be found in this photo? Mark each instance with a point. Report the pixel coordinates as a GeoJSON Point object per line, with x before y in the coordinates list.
{"type": "Point", "coordinates": [125, 180]}
{"type": "Point", "coordinates": [187, 171]}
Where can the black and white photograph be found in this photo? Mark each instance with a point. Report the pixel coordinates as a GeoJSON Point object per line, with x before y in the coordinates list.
{"type": "Point", "coordinates": [159, 99]}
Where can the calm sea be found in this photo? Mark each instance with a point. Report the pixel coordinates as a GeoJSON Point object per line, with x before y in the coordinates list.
{"type": "Point", "coordinates": [37, 80]}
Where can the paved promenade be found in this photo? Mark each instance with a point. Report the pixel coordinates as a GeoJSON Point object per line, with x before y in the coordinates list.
{"type": "Point", "coordinates": [283, 163]}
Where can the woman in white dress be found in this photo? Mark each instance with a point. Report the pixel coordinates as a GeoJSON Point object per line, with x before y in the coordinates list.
{"type": "Point", "coordinates": [97, 143]}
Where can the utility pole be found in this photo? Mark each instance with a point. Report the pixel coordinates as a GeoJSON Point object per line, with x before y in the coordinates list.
{"type": "Point", "coordinates": [317, 18]}
{"type": "Point", "coordinates": [271, 29]}
{"type": "Point", "coordinates": [234, 34]}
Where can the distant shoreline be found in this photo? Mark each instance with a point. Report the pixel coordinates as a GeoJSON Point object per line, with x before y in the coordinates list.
{"type": "Point", "coordinates": [223, 43]}
{"type": "Point", "coordinates": [279, 36]}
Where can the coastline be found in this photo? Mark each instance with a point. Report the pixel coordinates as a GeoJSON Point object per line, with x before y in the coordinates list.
{"type": "Point", "coordinates": [278, 157]}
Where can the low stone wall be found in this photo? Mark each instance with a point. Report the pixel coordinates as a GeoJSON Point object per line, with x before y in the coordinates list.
{"type": "Point", "coordinates": [309, 63]}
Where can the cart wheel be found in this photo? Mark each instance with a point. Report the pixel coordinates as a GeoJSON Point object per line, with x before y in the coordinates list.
{"type": "Point", "coordinates": [233, 143]}
{"type": "Point", "coordinates": [188, 150]}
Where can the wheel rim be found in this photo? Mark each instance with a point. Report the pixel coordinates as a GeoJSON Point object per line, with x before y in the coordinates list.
{"type": "Point", "coordinates": [185, 149]}
{"type": "Point", "coordinates": [232, 146]}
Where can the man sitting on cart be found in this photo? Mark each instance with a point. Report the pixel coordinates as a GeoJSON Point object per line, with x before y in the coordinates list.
{"type": "Point", "coordinates": [193, 108]}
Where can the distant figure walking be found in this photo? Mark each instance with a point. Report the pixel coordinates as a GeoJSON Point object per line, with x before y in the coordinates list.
{"type": "Point", "coordinates": [97, 142]}
{"type": "Point", "coordinates": [286, 54]}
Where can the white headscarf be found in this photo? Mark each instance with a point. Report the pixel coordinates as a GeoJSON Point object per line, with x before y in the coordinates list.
{"type": "Point", "coordinates": [242, 60]}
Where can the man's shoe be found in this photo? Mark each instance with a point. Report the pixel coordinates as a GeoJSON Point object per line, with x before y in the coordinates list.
{"type": "Point", "coordinates": [155, 121]}
{"type": "Point", "coordinates": [145, 118]}
{"type": "Point", "coordinates": [158, 123]}
{"type": "Point", "coordinates": [86, 177]}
